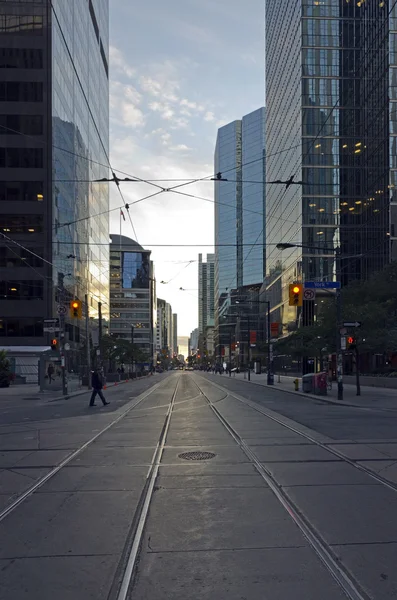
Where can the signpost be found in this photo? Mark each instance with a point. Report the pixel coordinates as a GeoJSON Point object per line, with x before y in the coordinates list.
{"type": "Point", "coordinates": [61, 309]}
{"type": "Point", "coordinates": [322, 285]}
{"type": "Point", "coordinates": [352, 324]}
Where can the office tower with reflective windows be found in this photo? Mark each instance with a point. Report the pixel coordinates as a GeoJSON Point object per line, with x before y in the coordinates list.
{"type": "Point", "coordinates": [331, 122]}
{"type": "Point", "coordinates": [131, 294]}
{"type": "Point", "coordinates": [240, 232]}
{"type": "Point", "coordinates": [54, 139]}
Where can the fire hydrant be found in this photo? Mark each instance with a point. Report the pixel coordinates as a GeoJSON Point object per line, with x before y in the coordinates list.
{"type": "Point", "coordinates": [296, 384]}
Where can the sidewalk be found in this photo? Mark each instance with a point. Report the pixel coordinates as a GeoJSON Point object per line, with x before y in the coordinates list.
{"type": "Point", "coordinates": [370, 397]}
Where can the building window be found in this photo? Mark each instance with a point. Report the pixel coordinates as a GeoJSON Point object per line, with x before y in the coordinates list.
{"type": "Point", "coordinates": [21, 327]}
{"type": "Point", "coordinates": [21, 223]}
{"type": "Point", "coordinates": [21, 124]}
{"type": "Point", "coordinates": [20, 23]}
{"type": "Point", "coordinates": [15, 158]}
{"type": "Point", "coordinates": [135, 270]}
{"type": "Point", "coordinates": [21, 58]}
{"type": "Point", "coordinates": [21, 91]}
{"type": "Point", "coordinates": [21, 290]}
{"type": "Point", "coordinates": [19, 257]}
{"type": "Point", "coordinates": [21, 191]}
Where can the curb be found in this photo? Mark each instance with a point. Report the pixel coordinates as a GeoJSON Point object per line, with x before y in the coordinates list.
{"type": "Point", "coordinates": [305, 395]}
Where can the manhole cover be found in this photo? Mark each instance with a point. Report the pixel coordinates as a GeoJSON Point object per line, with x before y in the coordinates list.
{"type": "Point", "coordinates": [197, 455]}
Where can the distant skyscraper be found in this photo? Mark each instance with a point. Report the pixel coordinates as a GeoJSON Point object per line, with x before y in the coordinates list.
{"type": "Point", "coordinates": [240, 207]}
{"type": "Point", "coordinates": [206, 283]}
{"type": "Point", "coordinates": [131, 293]}
{"type": "Point", "coordinates": [54, 139]}
{"type": "Point", "coordinates": [175, 333]}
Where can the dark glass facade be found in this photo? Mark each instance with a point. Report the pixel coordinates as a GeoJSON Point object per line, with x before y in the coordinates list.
{"type": "Point", "coordinates": [135, 270]}
{"type": "Point", "coordinates": [327, 78]}
{"type": "Point", "coordinates": [53, 133]}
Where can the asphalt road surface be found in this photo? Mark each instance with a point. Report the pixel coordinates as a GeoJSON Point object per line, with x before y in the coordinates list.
{"type": "Point", "coordinates": [200, 487]}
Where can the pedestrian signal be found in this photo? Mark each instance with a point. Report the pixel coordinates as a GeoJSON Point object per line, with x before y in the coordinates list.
{"type": "Point", "coordinates": [295, 294]}
{"type": "Point", "coordinates": [54, 344]}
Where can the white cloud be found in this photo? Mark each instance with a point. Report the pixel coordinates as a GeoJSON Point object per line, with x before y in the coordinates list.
{"type": "Point", "coordinates": [150, 86]}
{"type": "Point", "coordinates": [209, 116]}
{"type": "Point", "coordinates": [180, 147]}
{"type": "Point", "coordinates": [123, 105]}
{"type": "Point", "coordinates": [119, 64]}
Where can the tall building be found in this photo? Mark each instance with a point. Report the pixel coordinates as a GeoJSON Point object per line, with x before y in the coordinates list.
{"type": "Point", "coordinates": [331, 121]}
{"type": "Point", "coordinates": [131, 294]}
{"type": "Point", "coordinates": [175, 334]}
{"type": "Point", "coordinates": [206, 283]}
{"type": "Point", "coordinates": [169, 328]}
{"type": "Point", "coordinates": [161, 327]}
{"type": "Point", "coordinates": [54, 137]}
{"type": "Point", "coordinates": [240, 206]}
{"type": "Point", "coordinates": [193, 341]}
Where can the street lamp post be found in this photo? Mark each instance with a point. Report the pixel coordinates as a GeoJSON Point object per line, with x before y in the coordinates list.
{"type": "Point", "coordinates": [338, 298]}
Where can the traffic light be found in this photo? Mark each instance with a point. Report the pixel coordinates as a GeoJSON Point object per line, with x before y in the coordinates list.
{"type": "Point", "coordinates": [351, 343]}
{"type": "Point", "coordinates": [295, 294]}
{"type": "Point", "coordinates": [76, 309]}
{"type": "Point", "coordinates": [54, 344]}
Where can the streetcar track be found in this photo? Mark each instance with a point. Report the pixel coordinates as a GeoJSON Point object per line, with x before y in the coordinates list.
{"type": "Point", "coordinates": [130, 557]}
{"type": "Point", "coordinates": [325, 446]}
{"type": "Point", "coordinates": [345, 580]}
{"type": "Point", "coordinates": [40, 482]}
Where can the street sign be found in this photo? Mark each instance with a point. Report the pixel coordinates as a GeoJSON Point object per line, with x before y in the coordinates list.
{"type": "Point", "coordinates": [51, 325]}
{"type": "Point", "coordinates": [322, 285]}
{"type": "Point", "coordinates": [343, 342]}
{"type": "Point", "coordinates": [61, 309]}
{"type": "Point", "coordinates": [352, 324]}
{"type": "Point", "coordinates": [309, 294]}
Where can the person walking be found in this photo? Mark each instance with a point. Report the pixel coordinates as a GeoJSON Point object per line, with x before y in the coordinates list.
{"type": "Point", "coordinates": [97, 385]}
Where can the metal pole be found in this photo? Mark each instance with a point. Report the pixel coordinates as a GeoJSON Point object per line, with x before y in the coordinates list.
{"type": "Point", "coordinates": [62, 336]}
{"type": "Point", "coordinates": [249, 349]}
{"type": "Point", "coordinates": [358, 387]}
{"type": "Point", "coordinates": [87, 337]}
{"type": "Point", "coordinates": [339, 358]}
{"type": "Point", "coordinates": [230, 354]}
{"type": "Point", "coordinates": [270, 380]}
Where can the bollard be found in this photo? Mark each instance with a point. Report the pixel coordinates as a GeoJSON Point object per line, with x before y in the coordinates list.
{"type": "Point", "coordinates": [296, 384]}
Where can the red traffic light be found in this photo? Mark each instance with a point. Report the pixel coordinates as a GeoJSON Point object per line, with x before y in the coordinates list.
{"type": "Point", "coordinates": [350, 340]}
{"type": "Point", "coordinates": [54, 344]}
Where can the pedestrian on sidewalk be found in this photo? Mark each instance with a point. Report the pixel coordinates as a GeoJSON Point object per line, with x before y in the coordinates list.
{"type": "Point", "coordinates": [97, 385]}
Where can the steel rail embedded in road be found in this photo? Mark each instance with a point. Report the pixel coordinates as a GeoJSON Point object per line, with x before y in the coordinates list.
{"type": "Point", "coordinates": [148, 494]}
{"type": "Point", "coordinates": [18, 501]}
{"type": "Point", "coordinates": [252, 404]}
{"type": "Point", "coordinates": [350, 587]}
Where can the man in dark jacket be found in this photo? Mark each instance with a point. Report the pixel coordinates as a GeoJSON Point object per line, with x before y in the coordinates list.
{"type": "Point", "coordinates": [97, 385]}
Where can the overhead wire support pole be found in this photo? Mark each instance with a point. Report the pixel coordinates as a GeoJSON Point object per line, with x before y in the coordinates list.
{"type": "Point", "coordinates": [87, 337]}
{"type": "Point", "coordinates": [270, 378]}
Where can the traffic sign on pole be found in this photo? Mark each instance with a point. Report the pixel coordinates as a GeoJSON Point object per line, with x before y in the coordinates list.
{"type": "Point", "coordinates": [61, 309]}
{"type": "Point", "coordinates": [309, 294]}
{"type": "Point", "coordinates": [322, 285]}
{"type": "Point", "coordinates": [352, 324]}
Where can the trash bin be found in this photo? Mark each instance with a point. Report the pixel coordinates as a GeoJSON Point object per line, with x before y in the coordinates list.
{"type": "Point", "coordinates": [307, 383]}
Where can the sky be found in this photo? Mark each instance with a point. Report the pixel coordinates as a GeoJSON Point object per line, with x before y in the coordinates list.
{"type": "Point", "coordinates": [179, 70]}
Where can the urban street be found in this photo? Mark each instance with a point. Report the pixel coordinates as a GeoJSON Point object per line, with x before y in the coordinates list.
{"type": "Point", "coordinates": [198, 486]}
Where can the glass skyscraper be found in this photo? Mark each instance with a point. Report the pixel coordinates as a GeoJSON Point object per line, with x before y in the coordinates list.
{"type": "Point", "coordinates": [54, 142]}
{"type": "Point", "coordinates": [239, 210]}
{"type": "Point", "coordinates": [327, 123]}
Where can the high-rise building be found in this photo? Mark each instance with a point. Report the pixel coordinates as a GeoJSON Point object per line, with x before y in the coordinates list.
{"type": "Point", "coordinates": [331, 92]}
{"type": "Point", "coordinates": [193, 341]}
{"type": "Point", "coordinates": [206, 283]}
{"type": "Point", "coordinates": [161, 327]}
{"type": "Point", "coordinates": [131, 294]}
{"type": "Point", "coordinates": [169, 328]}
{"type": "Point", "coordinates": [54, 139]}
{"type": "Point", "coordinates": [240, 206]}
{"type": "Point", "coordinates": [175, 334]}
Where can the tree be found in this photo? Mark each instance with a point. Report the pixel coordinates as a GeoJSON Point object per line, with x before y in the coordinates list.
{"type": "Point", "coordinates": [5, 372]}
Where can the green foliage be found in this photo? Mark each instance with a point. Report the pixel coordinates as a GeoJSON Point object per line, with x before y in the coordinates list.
{"type": "Point", "coordinates": [372, 302]}
{"type": "Point", "coordinates": [5, 372]}
{"type": "Point", "coordinates": [121, 351]}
